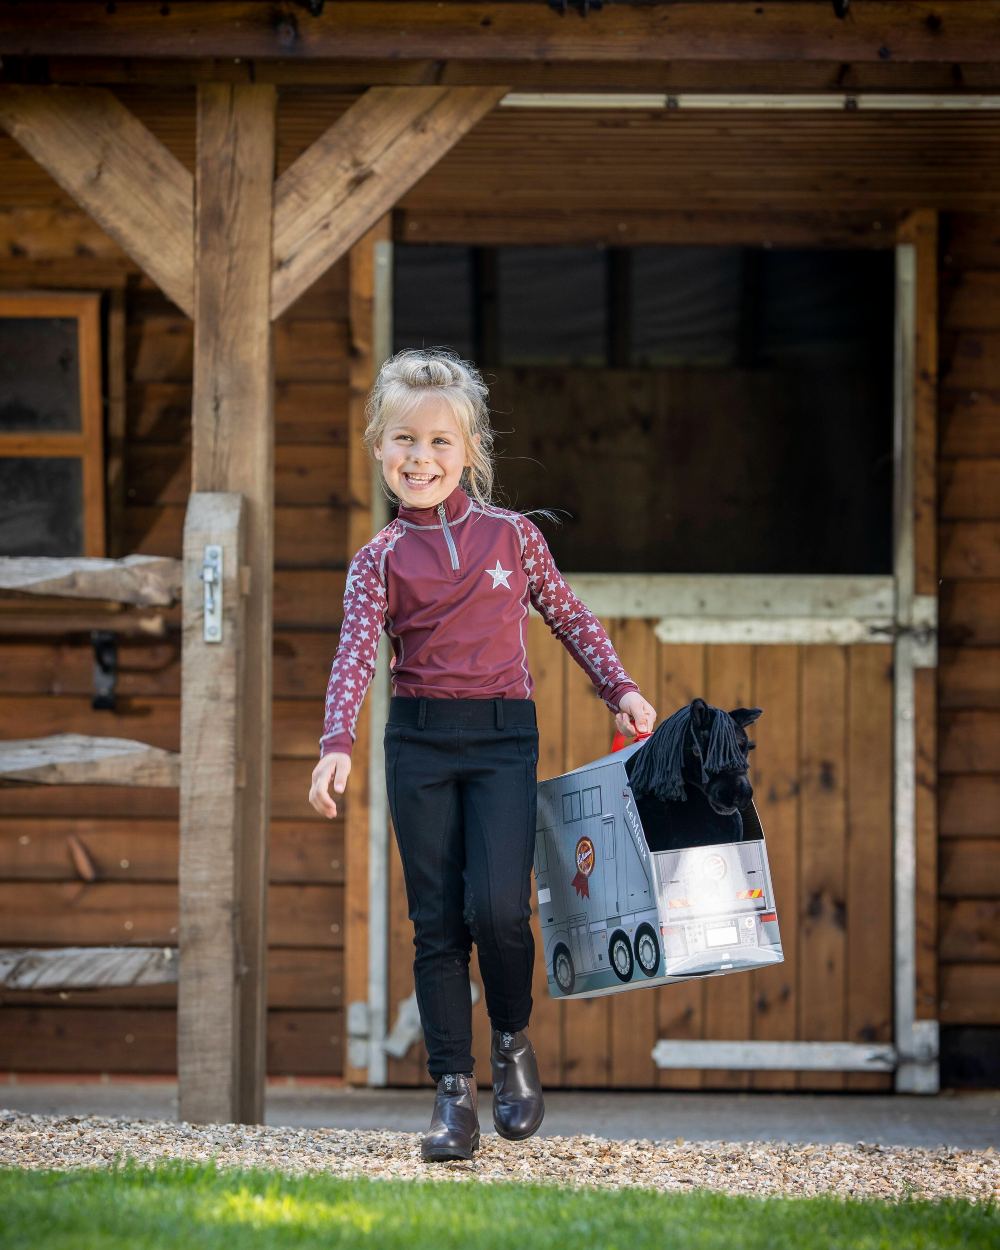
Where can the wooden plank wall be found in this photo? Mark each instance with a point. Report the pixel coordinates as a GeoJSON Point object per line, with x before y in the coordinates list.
{"type": "Point", "coordinates": [969, 673]}
{"type": "Point", "coordinates": [131, 835]}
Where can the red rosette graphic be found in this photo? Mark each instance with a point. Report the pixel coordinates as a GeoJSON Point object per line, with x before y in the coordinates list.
{"type": "Point", "coordinates": [585, 860]}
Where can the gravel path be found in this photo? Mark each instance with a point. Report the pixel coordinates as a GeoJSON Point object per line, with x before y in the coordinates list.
{"type": "Point", "coordinates": [763, 1168]}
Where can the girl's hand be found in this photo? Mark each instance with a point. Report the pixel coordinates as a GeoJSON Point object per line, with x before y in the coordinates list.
{"type": "Point", "coordinates": [635, 715]}
{"type": "Point", "coordinates": [336, 767]}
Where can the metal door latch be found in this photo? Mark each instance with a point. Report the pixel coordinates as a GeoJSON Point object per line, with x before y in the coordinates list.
{"type": "Point", "coordinates": [105, 644]}
{"type": "Point", "coordinates": [211, 577]}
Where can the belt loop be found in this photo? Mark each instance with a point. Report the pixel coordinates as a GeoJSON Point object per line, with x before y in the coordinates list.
{"type": "Point", "coordinates": [498, 704]}
{"type": "Point", "coordinates": [421, 713]}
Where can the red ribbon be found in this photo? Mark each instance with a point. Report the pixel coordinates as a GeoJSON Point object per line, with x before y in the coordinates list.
{"type": "Point", "coordinates": [581, 886]}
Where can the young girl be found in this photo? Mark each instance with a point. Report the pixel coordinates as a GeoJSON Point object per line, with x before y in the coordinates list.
{"type": "Point", "coordinates": [449, 580]}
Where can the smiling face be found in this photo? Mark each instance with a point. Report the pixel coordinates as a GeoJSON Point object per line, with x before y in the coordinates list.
{"type": "Point", "coordinates": [423, 453]}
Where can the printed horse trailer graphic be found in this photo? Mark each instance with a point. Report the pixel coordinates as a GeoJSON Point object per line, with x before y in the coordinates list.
{"type": "Point", "coordinates": [639, 892]}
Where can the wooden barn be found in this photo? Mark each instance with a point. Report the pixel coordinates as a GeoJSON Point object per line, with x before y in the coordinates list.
{"type": "Point", "coordinates": [733, 272]}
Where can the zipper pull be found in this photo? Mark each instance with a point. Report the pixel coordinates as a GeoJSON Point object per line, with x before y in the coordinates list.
{"type": "Point", "coordinates": [452, 550]}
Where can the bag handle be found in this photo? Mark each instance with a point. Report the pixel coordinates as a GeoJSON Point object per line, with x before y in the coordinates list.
{"type": "Point", "coordinates": [620, 740]}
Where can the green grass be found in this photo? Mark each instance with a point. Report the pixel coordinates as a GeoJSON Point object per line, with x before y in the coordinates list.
{"type": "Point", "coordinates": [199, 1206]}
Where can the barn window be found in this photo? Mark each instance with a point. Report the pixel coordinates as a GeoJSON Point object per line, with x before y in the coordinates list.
{"type": "Point", "coordinates": [51, 425]}
{"type": "Point", "coordinates": [739, 399]}
{"type": "Point", "coordinates": [592, 801]}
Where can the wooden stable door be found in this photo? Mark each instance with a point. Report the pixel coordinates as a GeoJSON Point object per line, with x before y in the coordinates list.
{"type": "Point", "coordinates": [822, 777]}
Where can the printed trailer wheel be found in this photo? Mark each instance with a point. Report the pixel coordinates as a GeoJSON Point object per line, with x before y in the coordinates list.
{"type": "Point", "coordinates": [647, 950]}
{"type": "Point", "coordinates": [620, 950]}
{"type": "Point", "coordinates": [563, 970]}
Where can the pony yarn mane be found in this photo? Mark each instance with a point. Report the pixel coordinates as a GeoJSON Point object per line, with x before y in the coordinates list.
{"type": "Point", "coordinates": [658, 768]}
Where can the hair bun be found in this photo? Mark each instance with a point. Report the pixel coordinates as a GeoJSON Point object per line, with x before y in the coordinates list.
{"type": "Point", "coordinates": [430, 371]}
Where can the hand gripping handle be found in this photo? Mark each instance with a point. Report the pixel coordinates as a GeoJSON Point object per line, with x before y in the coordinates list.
{"type": "Point", "coordinates": [620, 740]}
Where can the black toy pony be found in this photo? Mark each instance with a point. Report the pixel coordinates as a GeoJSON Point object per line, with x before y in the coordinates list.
{"type": "Point", "coordinates": [689, 778]}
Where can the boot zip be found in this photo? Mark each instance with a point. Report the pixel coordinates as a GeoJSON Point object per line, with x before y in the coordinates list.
{"type": "Point", "coordinates": [448, 538]}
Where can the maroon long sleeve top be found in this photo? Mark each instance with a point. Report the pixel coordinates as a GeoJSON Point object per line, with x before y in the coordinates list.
{"type": "Point", "coordinates": [451, 586]}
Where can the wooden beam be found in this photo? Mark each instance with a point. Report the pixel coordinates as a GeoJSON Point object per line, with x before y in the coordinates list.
{"type": "Point", "coordinates": [611, 229]}
{"type": "Point", "coordinates": [87, 967]}
{"type": "Point", "coordinates": [901, 30]}
{"type": "Point", "coordinates": [75, 759]}
{"type": "Point", "coordinates": [62, 625]}
{"type": "Point", "coordinates": [356, 171]}
{"type": "Point", "coordinates": [233, 451]}
{"type": "Point", "coordinates": [953, 78]}
{"type": "Point", "coordinates": [920, 229]}
{"type": "Point", "coordinates": [362, 284]}
{"type": "Point", "coordinates": [149, 581]}
{"type": "Point", "coordinates": [115, 168]}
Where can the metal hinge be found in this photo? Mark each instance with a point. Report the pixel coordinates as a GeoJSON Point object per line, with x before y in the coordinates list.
{"type": "Point", "coordinates": [211, 577]}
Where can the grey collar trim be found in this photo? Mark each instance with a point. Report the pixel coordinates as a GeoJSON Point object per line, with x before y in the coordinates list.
{"type": "Point", "coordinates": [413, 526]}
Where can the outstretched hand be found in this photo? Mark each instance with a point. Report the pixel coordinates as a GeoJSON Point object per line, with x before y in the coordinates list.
{"type": "Point", "coordinates": [635, 715]}
{"type": "Point", "coordinates": [335, 767]}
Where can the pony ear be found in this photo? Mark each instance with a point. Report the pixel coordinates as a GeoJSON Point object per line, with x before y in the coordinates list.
{"type": "Point", "coordinates": [700, 715]}
{"type": "Point", "coordinates": [744, 716]}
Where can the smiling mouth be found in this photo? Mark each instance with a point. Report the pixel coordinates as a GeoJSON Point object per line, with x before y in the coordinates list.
{"type": "Point", "coordinates": [419, 479]}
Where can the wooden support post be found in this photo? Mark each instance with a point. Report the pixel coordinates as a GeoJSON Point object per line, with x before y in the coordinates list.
{"type": "Point", "coordinates": [920, 228]}
{"type": "Point", "coordinates": [233, 451]}
{"type": "Point", "coordinates": [115, 168]}
{"type": "Point", "coordinates": [360, 527]}
{"type": "Point", "coordinates": [356, 171]}
{"type": "Point", "coordinates": [209, 1031]}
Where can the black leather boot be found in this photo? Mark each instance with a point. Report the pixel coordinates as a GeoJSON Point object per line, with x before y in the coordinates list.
{"type": "Point", "coordinates": [454, 1130]}
{"type": "Point", "coordinates": [518, 1106]}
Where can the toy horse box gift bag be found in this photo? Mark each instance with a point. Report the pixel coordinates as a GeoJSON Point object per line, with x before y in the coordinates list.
{"type": "Point", "coordinates": [650, 863]}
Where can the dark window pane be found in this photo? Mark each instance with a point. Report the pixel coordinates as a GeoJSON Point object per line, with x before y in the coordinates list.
{"type": "Point", "coordinates": [39, 374]}
{"type": "Point", "coordinates": [825, 306]}
{"type": "Point", "coordinates": [41, 506]}
{"type": "Point", "coordinates": [685, 305]}
{"type": "Point", "coordinates": [432, 299]}
{"type": "Point", "coordinates": [552, 305]}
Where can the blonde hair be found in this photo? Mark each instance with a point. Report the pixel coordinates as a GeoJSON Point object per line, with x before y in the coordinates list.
{"type": "Point", "coordinates": [407, 378]}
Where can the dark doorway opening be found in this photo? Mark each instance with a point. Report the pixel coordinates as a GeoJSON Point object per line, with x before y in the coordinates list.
{"type": "Point", "coordinates": [690, 409]}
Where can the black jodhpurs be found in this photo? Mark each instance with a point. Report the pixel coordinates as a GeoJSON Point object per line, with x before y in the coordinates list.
{"type": "Point", "coordinates": [461, 782]}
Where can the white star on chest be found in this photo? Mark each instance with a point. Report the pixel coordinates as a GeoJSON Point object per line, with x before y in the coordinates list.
{"type": "Point", "coordinates": [499, 576]}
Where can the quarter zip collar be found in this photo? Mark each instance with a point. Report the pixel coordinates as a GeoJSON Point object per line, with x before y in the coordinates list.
{"type": "Point", "coordinates": [456, 506]}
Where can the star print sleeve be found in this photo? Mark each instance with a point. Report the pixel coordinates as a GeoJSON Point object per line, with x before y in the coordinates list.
{"type": "Point", "coordinates": [353, 665]}
{"type": "Point", "coordinates": [570, 620]}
